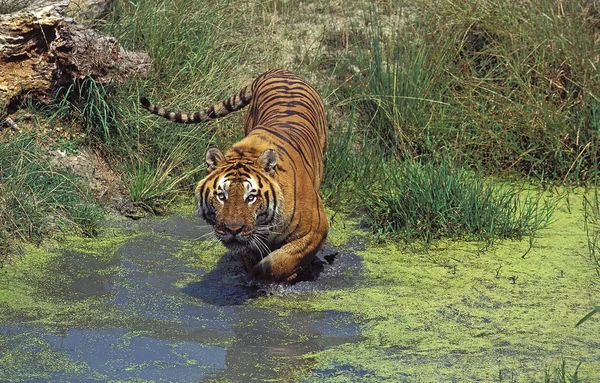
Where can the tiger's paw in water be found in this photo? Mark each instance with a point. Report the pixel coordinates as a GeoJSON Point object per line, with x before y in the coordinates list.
{"type": "Point", "coordinates": [273, 269]}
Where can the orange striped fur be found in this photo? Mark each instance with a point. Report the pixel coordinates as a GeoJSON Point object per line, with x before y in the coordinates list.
{"type": "Point", "coordinates": [262, 195]}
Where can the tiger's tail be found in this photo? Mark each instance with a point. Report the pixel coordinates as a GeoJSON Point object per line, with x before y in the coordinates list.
{"type": "Point", "coordinates": [233, 103]}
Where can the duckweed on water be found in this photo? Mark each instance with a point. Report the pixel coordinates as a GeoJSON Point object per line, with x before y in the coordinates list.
{"type": "Point", "coordinates": [455, 314]}
{"type": "Point", "coordinates": [452, 314]}
{"type": "Point", "coordinates": [51, 285]}
{"type": "Point", "coordinates": [477, 316]}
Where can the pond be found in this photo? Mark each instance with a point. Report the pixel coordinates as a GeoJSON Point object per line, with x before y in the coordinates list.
{"type": "Point", "coordinates": [160, 300]}
{"type": "Point", "coordinates": [153, 304]}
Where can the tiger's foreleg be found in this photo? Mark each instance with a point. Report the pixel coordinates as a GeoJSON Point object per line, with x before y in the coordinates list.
{"type": "Point", "coordinates": [285, 263]}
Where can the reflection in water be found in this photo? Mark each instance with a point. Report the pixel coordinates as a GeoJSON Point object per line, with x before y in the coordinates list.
{"type": "Point", "coordinates": [147, 328]}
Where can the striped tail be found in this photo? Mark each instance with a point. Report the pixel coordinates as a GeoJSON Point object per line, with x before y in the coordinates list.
{"type": "Point", "coordinates": [233, 103]}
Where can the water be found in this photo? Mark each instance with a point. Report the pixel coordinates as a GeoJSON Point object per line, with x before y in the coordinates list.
{"type": "Point", "coordinates": [150, 311]}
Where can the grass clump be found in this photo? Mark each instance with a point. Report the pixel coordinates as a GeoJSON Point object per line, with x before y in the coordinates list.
{"type": "Point", "coordinates": [157, 185]}
{"type": "Point", "coordinates": [37, 200]}
{"type": "Point", "coordinates": [86, 106]}
{"type": "Point", "coordinates": [420, 201]}
{"type": "Point", "coordinates": [427, 201]}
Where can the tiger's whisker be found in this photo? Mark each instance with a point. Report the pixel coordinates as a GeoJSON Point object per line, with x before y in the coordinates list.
{"type": "Point", "coordinates": [205, 235]}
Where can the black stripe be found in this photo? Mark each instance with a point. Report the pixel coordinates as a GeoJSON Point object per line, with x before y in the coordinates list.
{"type": "Point", "coordinates": [306, 163]}
{"type": "Point", "coordinates": [291, 232]}
{"type": "Point", "coordinates": [227, 105]}
{"type": "Point", "coordinates": [259, 179]}
{"type": "Point", "coordinates": [269, 210]}
{"type": "Point", "coordinates": [210, 112]}
{"type": "Point", "coordinates": [206, 195]}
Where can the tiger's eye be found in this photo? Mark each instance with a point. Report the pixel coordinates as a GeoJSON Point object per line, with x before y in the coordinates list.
{"type": "Point", "coordinates": [251, 198]}
{"type": "Point", "coordinates": [221, 197]}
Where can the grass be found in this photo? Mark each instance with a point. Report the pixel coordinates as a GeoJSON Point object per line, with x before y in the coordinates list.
{"type": "Point", "coordinates": [10, 6]}
{"type": "Point", "coordinates": [562, 374]}
{"type": "Point", "coordinates": [498, 85]}
{"type": "Point", "coordinates": [424, 201]}
{"type": "Point", "coordinates": [85, 105]}
{"type": "Point", "coordinates": [438, 85]}
{"type": "Point", "coordinates": [38, 200]}
{"type": "Point", "coordinates": [408, 103]}
{"type": "Point", "coordinates": [157, 185]}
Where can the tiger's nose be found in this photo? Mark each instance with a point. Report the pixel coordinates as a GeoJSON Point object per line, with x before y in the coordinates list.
{"type": "Point", "coordinates": [235, 228]}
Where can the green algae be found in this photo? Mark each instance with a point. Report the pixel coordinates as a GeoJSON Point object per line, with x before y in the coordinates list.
{"type": "Point", "coordinates": [38, 290]}
{"type": "Point", "coordinates": [63, 286]}
{"type": "Point", "coordinates": [456, 313]}
{"type": "Point", "coordinates": [33, 354]}
{"type": "Point", "coordinates": [40, 287]}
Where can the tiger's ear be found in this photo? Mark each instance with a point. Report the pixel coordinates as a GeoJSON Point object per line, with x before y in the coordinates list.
{"type": "Point", "coordinates": [213, 158]}
{"type": "Point", "coordinates": [268, 161]}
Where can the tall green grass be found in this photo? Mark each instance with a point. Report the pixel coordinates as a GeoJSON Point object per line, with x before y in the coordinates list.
{"type": "Point", "coordinates": [37, 200]}
{"type": "Point", "coordinates": [405, 89]}
{"type": "Point", "coordinates": [198, 52]}
{"type": "Point", "coordinates": [86, 106]}
{"type": "Point", "coordinates": [421, 202]}
{"type": "Point", "coordinates": [499, 85]}
{"type": "Point", "coordinates": [428, 201]}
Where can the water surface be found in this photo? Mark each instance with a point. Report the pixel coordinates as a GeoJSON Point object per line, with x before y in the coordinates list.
{"type": "Point", "coordinates": [161, 305]}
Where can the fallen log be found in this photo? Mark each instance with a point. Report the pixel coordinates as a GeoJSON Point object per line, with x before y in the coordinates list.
{"type": "Point", "coordinates": [42, 50]}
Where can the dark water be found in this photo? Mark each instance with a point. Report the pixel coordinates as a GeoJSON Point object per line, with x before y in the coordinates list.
{"type": "Point", "coordinates": [144, 314]}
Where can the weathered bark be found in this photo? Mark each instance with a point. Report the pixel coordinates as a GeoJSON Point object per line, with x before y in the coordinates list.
{"type": "Point", "coordinates": [41, 50]}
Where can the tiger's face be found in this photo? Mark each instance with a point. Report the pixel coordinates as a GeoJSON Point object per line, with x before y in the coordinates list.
{"type": "Point", "coordinates": [240, 199]}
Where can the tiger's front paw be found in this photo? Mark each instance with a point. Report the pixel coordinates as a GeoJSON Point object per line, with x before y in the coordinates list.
{"type": "Point", "coordinates": [271, 270]}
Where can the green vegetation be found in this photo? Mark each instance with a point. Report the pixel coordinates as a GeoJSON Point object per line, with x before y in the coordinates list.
{"type": "Point", "coordinates": [432, 201]}
{"type": "Point", "coordinates": [430, 97]}
{"type": "Point", "coordinates": [10, 6]}
{"type": "Point", "coordinates": [397, 315]}
{"type": "Point", "coordinates": [420, 201]}
{"type": "Point", "coordinates": [38, 199]}
{"type": "Point", "coordinates": [438, 113]}
{"type": "Point", "coordinates": [452, 315]}
{"type": "Point", "coordinates": [497, 85]}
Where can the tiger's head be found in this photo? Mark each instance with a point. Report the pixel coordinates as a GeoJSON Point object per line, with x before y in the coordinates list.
{"type": "Point", "coordinates": [240, 199]}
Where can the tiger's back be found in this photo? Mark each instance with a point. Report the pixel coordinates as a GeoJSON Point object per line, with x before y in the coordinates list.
{"type": "Point", "coordinates": [290, 109]}
{"type": "Point", "coordinates": [262, 195]}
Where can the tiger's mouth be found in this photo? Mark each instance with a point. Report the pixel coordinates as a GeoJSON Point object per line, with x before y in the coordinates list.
{"type": "Point", "coordinates": [234, 240]}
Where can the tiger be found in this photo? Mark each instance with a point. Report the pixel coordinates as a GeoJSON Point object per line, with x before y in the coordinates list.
{"type": "Point", "coordinates": [262, 195]}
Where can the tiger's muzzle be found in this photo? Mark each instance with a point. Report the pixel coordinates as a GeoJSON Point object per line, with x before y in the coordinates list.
{"type": "Point", "coordinates": [232, 234]}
